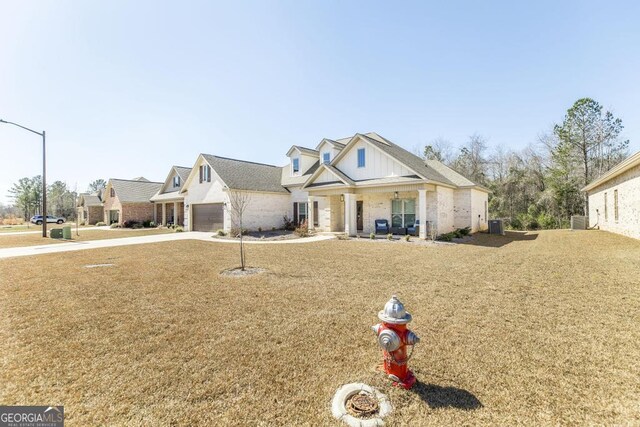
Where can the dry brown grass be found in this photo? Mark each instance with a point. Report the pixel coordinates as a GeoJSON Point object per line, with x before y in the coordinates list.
{"type": "Point", "coordinates": [8, 241]}
{"type": "Point", "coordinates": [534, 331]}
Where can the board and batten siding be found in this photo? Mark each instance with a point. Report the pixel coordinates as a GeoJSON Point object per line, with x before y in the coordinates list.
{"type": "Point", "coordinates": [377, 164]}
{"type": "Point", "coordinates": [628, 186]}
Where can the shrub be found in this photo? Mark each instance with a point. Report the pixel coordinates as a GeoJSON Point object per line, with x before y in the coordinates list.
{"type": "Point", "coordinates": [259, 229]}
{"type": "Point", "coordinates": [178, 229]}
{"type": "Point", "coordinates": [389, 236]}
{"type": "Point", "coordinates": [130, 223]}
{"type": "Point", "coordinates": [546, 221]}
{"type": "Point", "coordinates": [273, 229]}
{"type": "Point", "coordinates": [302, 230]}
{"type": "Point", "coordinates": [465, 231]}
{"type": "Point", "coordinates": [288, 223]}
{"type": "Point", "coordinates": [407, 237]}
{"type": "Point", "coordinates": [148, 224]}
{"type": "Point", "coordinates": [137, 226]}
{"type": "Point", "coordinates": [372, 236]}
{"type": "Point", "coordinates": [446, 237]}
{"type": "Point", "coordinates": [115, 225]}
{"type": "Point", "coordinates": [100, 224]}
{"type": "Point", "coordinates": [221, 233]}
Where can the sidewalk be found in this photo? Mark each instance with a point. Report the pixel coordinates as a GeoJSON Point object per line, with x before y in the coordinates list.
{"type": "Point", "coordinates": [139, 240]}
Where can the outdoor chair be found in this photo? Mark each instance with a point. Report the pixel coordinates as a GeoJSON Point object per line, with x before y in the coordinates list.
{"type": "Point", "coordinates": [414, 229]}
{"type": "Point", "coordinates": [382, 226]}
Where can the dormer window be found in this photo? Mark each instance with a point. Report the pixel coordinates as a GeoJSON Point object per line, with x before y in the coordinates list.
{"type": "Point", "coordinates": [295, 166]}
{"type": "Point", "coordinates": [360, 157]}
{"type": "Point", "coordinates": [326, 157]}
{"type": "Point", "coordinates": [176, 181]}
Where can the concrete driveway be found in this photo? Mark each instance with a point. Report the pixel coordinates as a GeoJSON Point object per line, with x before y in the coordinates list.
{"type": "Point", "coordinates": [139, 240]}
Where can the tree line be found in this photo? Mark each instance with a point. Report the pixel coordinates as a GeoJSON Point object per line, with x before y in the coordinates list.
{"type": "Point", "coordinates": [61, 200]}
{"type": "Point", "coordinates": [539, 186]}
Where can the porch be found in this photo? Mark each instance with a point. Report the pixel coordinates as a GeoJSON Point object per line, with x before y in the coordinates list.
{"type": "Point", "coordinates": [403, 209]}
{"type": "Point", "coordinates": [169, 212]}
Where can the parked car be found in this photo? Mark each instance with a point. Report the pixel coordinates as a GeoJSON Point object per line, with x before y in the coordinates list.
{"type": "Point", "coordinates": [37, 219]}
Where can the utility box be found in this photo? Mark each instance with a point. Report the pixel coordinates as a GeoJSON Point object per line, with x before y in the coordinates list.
{"type": "Point", "coordinates": [496, 226]}
{"type": "Point", "coordinates": [55, 233]}
{"type": "Point", "coordinates": [579, 222]}
{"type": "Point", "coordinates": [66, 232]}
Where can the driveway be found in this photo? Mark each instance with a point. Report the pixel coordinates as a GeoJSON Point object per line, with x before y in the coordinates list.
{"type": "Point", "coordinates": [138, 240]}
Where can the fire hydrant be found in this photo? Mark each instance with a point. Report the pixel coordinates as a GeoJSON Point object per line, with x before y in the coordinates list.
{"type": "Point", "coordinates": [394, 338]}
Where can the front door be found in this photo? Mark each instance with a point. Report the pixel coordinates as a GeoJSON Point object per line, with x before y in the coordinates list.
{"type": "Point", "coordinates": [359, 215]}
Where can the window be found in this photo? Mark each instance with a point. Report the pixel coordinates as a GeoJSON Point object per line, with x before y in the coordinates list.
{"type": "Point", "coordinates": [112, 192]}
{"type": "Point", "coordinates": [360, 157]}
{"type": "Point", "coordinates": [205, 173]}
{"type": "Point", "coordinates": [606, 209]}
{"type": "Point", "coordinates": [299, 213]}
{"type": "Point", "coordinates": [615, 205]}
{"type": "Point", "coordinates": [403, 212]}
{"type": "Point", "coordinates": [326, 157]}
{"type": "Point", "coordinates": [295, 165]}
{"type": "Point", "coordinates": [176, 181]}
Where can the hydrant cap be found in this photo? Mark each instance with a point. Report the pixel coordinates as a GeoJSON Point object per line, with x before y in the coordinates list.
{"type": "Point", "coordinates": [394, 312]}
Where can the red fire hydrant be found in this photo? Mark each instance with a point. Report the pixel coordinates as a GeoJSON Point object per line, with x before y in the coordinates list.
{"type": "Point", "coordinates": [394, 338]}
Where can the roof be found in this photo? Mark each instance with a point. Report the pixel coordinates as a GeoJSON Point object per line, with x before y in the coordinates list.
{"type": "Point", "coordinates": [134, 190]}
{"type": "Point", "coordinates": [183, 172]}
{"type": "Point", "coordinates": [91, 200]}
{"type": "Point", "coordinates": [303, 150]}
{"type": "Point", "coordinates": [450, 174]}
{"type": "Point", "coordinates": [288, 180]}
{"type": "Point", "coordinates": [620, 168]}
{"type": "Point", "coordinates": [172, 193]}
{"type": "Point", "coordinates": [336, 144]}
{"type": "Point", "coordinates": [243, 175]}
{"type": "Point", "coordinates": [141, 178]}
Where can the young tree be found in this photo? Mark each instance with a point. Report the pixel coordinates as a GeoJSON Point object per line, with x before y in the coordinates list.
{"type": "Point", "coordinates": [98, 184]}
{"type": "Point", "coordinates": [238, 204]}
{"type": "Point", "coordinates": [27, 195]}
{"type": "Point", "coordinates": [593, 137]}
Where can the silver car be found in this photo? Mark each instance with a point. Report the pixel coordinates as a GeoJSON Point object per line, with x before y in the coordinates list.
{"type": "Point", "coordinates": [37, 219]}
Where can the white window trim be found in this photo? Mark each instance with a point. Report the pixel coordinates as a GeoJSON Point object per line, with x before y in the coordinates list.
{"type": "Point", "coordinates": [326, 153]}
{"type": "Point", "coordinates": [293, 171]}
{"type": "Point", "coordinates": [364, 157]}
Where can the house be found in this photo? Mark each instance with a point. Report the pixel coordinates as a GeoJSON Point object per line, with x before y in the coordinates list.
{"type": "Point", "coordinates": [169, 201]}
{"type": "Point", "coordinates": [214, 179]}
{"type": "Point", "coordinates": [129, 200]}
{"type": "Point", "coordinates": [614, 199]}
{"type": "Point", "coordinates": [89, 207]}
{"type": "Point", "coordinates": [341, 185]}
{"type": "Point", "coordinates": [366, 178]}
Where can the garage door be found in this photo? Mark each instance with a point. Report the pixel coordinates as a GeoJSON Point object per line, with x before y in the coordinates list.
{"type": "Point", "coordinates": [208, 217]}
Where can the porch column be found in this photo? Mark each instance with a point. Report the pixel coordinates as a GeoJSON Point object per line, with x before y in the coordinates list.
{"type": "Point", "coordinates": [310, 218]}
{"type": "Point", "coordinates": [164, 213]}
{"type": "Point", "coordinates": [175, 214]}
{"type": "Point", "coordinates": [350, 214]}
{"type": "Point", "coordinates": [155, 213]}
{"type": "Point", "coordinates": [422, 213]}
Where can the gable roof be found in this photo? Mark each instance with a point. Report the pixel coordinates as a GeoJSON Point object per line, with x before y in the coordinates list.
{"type": "Point", "coordinates": [134, 190]}
{"type": "Point", "coordinates": [183, 172]}
{"type": "Point", "coordinates": [91, 200]}
{"type": "Point", "coordinates": [303, 150]}
{"type": "Point", "coordinates": [244, 175]}
{"type": "Point", "coordinates": [623, 166]}
{"type": "Point", "coordinates": [167, 191]}
{"type": "Point", "coordinates": [336, 144]}
{"type": "Point", "coordinates": [342, 178]}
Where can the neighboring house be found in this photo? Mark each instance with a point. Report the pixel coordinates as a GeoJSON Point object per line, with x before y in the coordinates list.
{"type": "Point", "coordinates": [614, 199]}
{"type": "Point", "coordinates": [366, 177]}
{"type": "Point", "coordinates": [129, 200]}
{"type": "Point", "coordinates": [206, 194]}
{"type": "Point", "coordinates": [90, 207]}
{"type": "Point", "coordinates": [169, 202]}
{"type": "Point", "coordinates": [342, 185]}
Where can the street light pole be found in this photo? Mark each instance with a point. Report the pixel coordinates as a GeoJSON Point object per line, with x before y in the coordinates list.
{"type": "Point", "coordinates": [44, 174]}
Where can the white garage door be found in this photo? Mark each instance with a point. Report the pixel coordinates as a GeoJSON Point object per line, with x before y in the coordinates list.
{"type": "Point", "coordinates": [208, 217]}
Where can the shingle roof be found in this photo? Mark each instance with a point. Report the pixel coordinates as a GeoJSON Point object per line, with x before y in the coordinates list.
{"type": "Point", "coordinates": [91, 200]}
{"type": "Point", "coordinates": [288, 180]}
{"type": "Point", "coordinates": [306, 150]}
{"type": "Point", "coordinates": [134, 191]}
{"type": "Point", "coordinates": [449, 173]}
{"type": "Point", "coordinates": [409, 159]}
{"type": "Point", "coordinates": [243, 175]}
{"type": "Point", "coordinates": [628, 163]}
{"type": "Point", "coordinates": [183, 172]}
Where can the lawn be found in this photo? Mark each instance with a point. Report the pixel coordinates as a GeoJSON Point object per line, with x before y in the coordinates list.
{"type": "Point", "coordinates": [8, 241]}
{"type": "Point", "coordinates": [543, 329]}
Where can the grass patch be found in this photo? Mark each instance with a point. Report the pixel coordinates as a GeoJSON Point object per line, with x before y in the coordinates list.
{"type": "Point", "coordinates": [8, 241]}
{"type": "Point", "coordinates": [534, 330]}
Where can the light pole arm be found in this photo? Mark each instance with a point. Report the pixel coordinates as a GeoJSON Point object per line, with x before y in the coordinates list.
{"type": "Point", "coordinates": [20, 126]}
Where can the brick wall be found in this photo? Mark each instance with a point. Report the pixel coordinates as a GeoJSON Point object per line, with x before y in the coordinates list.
{"type": "Point", "coordinates": [137, 212]}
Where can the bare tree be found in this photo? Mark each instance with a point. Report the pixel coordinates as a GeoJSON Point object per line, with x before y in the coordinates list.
{"type": "Point", "coordinates": [238, 203]}
{"type": "Point", "coordinates": [439, 149]}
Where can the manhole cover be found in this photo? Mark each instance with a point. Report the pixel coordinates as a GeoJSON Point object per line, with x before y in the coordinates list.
{"type": "Point", "coordinates": [362, 405]}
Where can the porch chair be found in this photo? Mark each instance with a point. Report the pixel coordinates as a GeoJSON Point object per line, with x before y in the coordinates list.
{"type": "Point", "coordinates": [414, 229]}
{"type": "Point", "coordinates": [382, 226]}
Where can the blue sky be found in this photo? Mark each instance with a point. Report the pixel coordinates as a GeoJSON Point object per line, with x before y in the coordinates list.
{"type": "Point", "coordinates": [125, 89]}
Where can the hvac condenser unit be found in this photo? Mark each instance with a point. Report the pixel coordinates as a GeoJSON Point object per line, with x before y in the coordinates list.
{"type": "Point", "coordinates": [496, 226]}
{"type": "Point", "coordinates": [579, 222]}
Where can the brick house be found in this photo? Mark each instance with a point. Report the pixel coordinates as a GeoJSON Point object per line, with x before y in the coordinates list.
{"type": "Point", "coordinates": [90, 210]}
{"type": "Point", "coordinates": [614, 199]}
{"type": "Point", "coordinates": [129, 200]}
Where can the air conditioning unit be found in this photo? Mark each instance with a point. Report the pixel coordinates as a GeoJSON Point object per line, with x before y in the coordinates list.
{"type": "Point", "coordinates": [496, 226]}
{"type": "Point", "coordinates": [579, 222]}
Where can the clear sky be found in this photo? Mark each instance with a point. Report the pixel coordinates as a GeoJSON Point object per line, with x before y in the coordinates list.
{"type": "Point", "coordinates": [129, 88]}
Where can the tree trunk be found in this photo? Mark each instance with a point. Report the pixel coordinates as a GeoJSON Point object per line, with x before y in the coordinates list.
{"type": "Point", "coordinates": [585, 158]}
